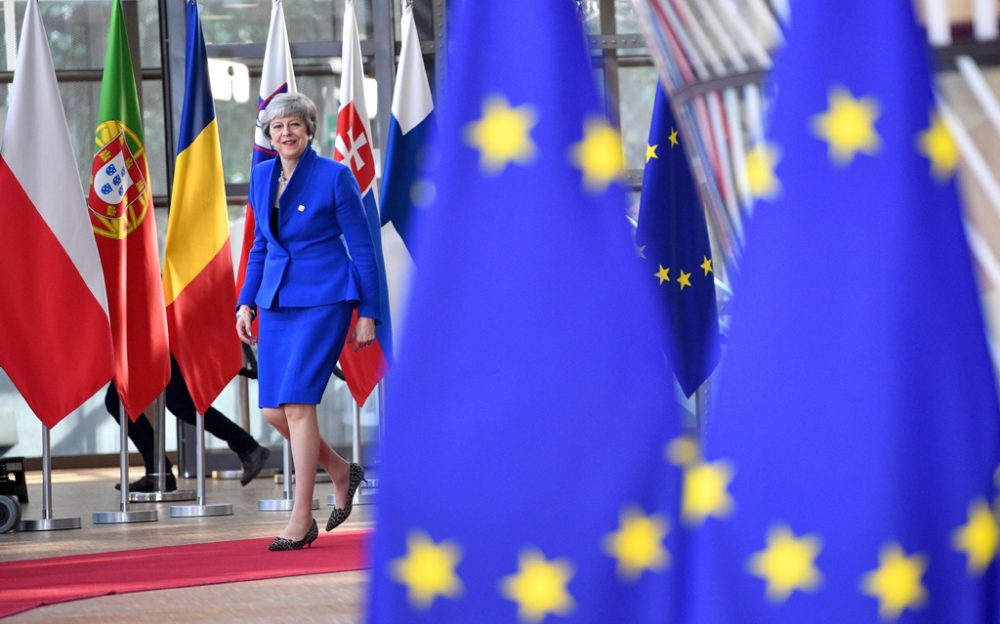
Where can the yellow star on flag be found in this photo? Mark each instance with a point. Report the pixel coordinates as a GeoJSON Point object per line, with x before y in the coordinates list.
{"type": "Point", "coordinates": [937, 144]}
{"type": "Point", "coordinates": [787, 563]}
{"type": "Point", "coordinates": [760, 163]}
{"type": "Point", "coordinates": [502, 135]}
{"type": "Point", "coordinates": [848, 126]}
{"type": "Point", "coordinates": [651, 152]}
{"type": "Point", "coordinates": [706, 265]}
{"type": "Point", "coordinates": [428, 569]}
{"type": "Point", "coordinates": [706, 491]}
{"type": "Point", "coordinates": [539, 586]}
{"type": "Point", "coordinates": [663, 274]}
{"type": "Point", "coordinates": [896, 583]}
{"type": "Point", "coordinates": [978, 537]}
{"type": "Point", "coordinates": [598, 155]}
{"type": "Point", "coordinates": [637, 545]}
{"type": "Point", "coordinates": [683, 451]}
{"type": "Point", "coordinates": [684, 280]}
{"type": "Point", "coordinates": [673, 138]}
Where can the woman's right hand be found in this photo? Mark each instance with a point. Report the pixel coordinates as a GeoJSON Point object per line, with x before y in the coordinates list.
{"type": "Point", "coordinates": [244, 325]}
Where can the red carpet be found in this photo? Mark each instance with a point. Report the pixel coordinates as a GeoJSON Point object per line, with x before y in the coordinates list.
{"type": "Point", "coordinates": [36, 582]}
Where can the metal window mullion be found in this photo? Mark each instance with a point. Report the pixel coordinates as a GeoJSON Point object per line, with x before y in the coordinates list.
{"type": "Point", "coordinates": [385, 57]}
{"type": "Point", "coordinates": [441, 45]}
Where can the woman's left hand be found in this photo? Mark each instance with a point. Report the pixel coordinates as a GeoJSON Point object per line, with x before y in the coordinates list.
{"type": "Point", "coordinates": [364, 332]}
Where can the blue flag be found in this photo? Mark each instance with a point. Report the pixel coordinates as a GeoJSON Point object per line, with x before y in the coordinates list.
{"type": "Point", "coordinates": [409, 126]}
{"type": "Point", "coordinates": [672, 239]}
{"type": "Point", "coordinates": [855, 438]}
{"type": "Point", "coordinates": [524, 476]}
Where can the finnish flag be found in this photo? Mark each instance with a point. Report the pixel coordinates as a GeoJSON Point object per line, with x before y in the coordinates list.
{"type": "Point", "coordinates": [409, 128]}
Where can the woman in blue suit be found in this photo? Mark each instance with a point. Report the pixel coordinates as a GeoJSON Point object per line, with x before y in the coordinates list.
{"type": "Point", "coordinates": [312, 263]}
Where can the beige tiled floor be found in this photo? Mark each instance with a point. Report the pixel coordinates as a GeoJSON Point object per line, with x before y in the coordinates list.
{"type": "Point", "coordinates": [335, 598]}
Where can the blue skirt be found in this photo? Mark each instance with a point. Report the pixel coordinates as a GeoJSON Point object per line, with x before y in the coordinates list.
{"type": "Point", "coordinates": [297, 350]}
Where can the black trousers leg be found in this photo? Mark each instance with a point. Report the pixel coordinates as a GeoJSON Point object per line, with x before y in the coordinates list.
{"type": "Point", "coordinates": [181, 405]}
{"type": "Point", "coordinates": [140, 432]}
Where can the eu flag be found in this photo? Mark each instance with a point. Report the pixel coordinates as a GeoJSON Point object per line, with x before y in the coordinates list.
{"type": "Point", "coordinates": [855, 436]}
{"type": "Point", "coordinates": [524, 477]}
{"type": "Point", "coordinates": [672, 239]}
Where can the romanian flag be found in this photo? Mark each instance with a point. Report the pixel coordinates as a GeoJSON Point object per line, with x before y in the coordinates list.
{"type": "Point", "coordinates": [197, 268]}
{"type": "Point", "coordinates": [50, 274]}
{"type": "Point", "coordinates": [121, 213]}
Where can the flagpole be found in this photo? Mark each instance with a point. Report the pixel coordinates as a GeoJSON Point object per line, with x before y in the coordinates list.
{"type": "Point", "coordinates": [243, 406]}
{"type": "Point", "coordinates": [201, 508]}
{"type": "Point", "coordinates": [287, 501]}
{"type": "Point", "coordinates": [331, 500]}
{"type": "Point", "coordinates": [356, 444]}
{"type": "Point", "coordinates": [124, 515]}
{"type": "Point", "coordinates": [381, 414]}
{"type": "Point", "coordinates": [47, 522]}
{"type": "Point", "coordinates": [160, 460]}
{"type": "Point", "coordinates": [355, 449]}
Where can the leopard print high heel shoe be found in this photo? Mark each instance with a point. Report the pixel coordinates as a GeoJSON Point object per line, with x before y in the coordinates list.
{"type": "Point", "coordinates": [283, 543]}
{"type": "Point", "coordinates": [339, 514]}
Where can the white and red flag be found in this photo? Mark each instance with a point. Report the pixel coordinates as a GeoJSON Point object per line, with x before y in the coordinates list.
{"type": "Point", "coordinates": [277, 76]}
{"type": "Point", "coordinates": [363, 368]}
{"type": "Point", "coordinates": [55, 337]}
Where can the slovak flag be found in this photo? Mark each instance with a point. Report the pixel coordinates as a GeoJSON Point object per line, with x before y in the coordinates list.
{"type": "Point", "coordinates": [363, 368]}
{"type": "Point", "coordinates": [409, 128]}
{"type": "Point", "coordinates": [277, 76]}
{"type": "Point", "coordinates": [55, 333]}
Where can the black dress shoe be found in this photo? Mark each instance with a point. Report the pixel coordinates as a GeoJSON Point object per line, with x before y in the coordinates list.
{"type": "Point", "coordinates": [148, 484]}
{"type": "Point", "coordinates": [253, 464]}
{"type": "Point", "coordinates": [339, 514]}
{"type": "Point", "coordinates": [283, 543]}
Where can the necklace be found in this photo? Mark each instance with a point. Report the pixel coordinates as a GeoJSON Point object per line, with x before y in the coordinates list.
{"type": "Point", "coordinates": [282, 182]}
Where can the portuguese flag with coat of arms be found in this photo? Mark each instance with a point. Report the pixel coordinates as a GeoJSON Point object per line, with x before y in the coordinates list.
{"type": "Point", "coordinates": [121, 212]}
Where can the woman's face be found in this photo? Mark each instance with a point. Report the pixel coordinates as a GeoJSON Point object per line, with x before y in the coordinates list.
{"type": "Point", "coordinates": [289, 136]}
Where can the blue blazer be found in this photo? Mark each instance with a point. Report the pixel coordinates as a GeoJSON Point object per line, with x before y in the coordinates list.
{"type": "Point", "coordinates": [307, 262]}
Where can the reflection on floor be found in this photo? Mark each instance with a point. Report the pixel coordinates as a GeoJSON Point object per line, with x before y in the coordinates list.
{"type": "Point", "coordinates": [337, 598]}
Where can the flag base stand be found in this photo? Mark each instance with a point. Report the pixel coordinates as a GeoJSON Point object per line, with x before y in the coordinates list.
{"type": "Point", "coordinates": [201, 509]}
{"type": "Point", "coordinates": [321, 477]}
{"type": "Point", "coordinates": [232, 475]}
{"type": "Point", "coordinates": [198, 511]}
{"type": "Point", "coordinates": [49, 524]}
{"type": "Point", "coordinates": [367, 491]}
{"type": "Point", "coordinates": [159, 459]}
{"type": "Point", "coordinates": [161, 497]}
{"type": "Point", "coordinates": [284, 477]}
{"type": "Point", "coordinates": [281, 504]}
{"type": "Point", "coordinates": [46, 522]}
{"type": "Point", "coordinates": [125, 517]}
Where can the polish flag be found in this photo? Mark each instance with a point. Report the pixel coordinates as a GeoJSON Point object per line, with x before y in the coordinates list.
{"type": "Point", "coordinates": [55, 337]}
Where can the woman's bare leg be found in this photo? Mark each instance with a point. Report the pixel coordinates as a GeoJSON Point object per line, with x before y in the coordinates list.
{"type": "Point", "coordinates": [336, 466]}
{"type": "Point", "coordinates": [305, 441]}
